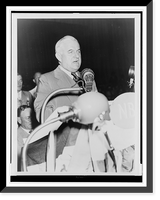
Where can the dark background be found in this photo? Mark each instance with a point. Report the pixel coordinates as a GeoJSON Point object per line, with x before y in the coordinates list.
{"type": "Point", "coordinates": [107, 47]}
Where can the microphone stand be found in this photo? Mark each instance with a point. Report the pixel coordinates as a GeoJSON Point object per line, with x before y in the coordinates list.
{"type": "Point", "coordinates": [43, 123]}
{"type": "Point", "coordinates": [111, 150]}
{"type": "Point", "coordinates": [31, 136]}
{"type": "Point", "coordinates": [61, 119]}
{"type": "Point", "coordinates": [52, 95]}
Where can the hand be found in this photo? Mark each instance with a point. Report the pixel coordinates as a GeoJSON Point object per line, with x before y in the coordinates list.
{"type": "Point", "coordinates": [99, 122]}
{"type": "Point", "coordinates": [57, 111]}
{"type": "Point", "coordinates": [52, 126]}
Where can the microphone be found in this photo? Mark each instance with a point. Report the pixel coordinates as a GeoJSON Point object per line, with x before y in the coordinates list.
{"type": "Point", "coordinates": [131, 73]}
{"type": "Point", "coordinates": [87, 107]}
{"type": "Point", "coordinates": [88, 77]}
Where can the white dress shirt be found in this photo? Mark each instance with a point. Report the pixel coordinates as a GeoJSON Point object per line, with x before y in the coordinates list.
{"type": "Point", "coordinates": [67, 72]}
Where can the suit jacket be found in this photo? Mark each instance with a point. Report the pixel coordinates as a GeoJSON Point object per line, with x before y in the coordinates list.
{"type": "Point", "coordinates": [50, 82]}
{"type": "Point", "coordinates": [26, 98]}
{"type": "Point", "coordinates": [36, 152]}
{"type": "Point", "coordinates": [67, 132]}
{"type": "Point", "coordinates": [21, 136]}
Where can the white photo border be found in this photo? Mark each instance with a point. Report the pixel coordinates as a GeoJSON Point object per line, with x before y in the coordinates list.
{"type": "Point", "coordinates": [80, 184]}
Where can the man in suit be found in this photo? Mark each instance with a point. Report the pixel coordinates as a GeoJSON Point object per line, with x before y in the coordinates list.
{"type": "Point", "coordinates": [36, 77]}
{"type": "Point", "coordinates": [24, 118]}
{"type": "Point", "coordinates": [23, 97]}
{"type": "Point", "coordinates": [68, 54]}
{"type": "Point", "coordinates": [67, 51]}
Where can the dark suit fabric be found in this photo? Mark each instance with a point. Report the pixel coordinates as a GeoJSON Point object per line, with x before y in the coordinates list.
{"type": "Point", "coordinates": [67, 132]}
{"type": "Point", "coordinates": [21, 134]}
{"type": "Point", "coordinates": [66, 136]}
{"type": "Point", "coordinates": [50, 82]}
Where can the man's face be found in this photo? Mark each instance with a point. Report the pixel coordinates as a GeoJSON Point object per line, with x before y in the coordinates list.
{"type": "Point", "coordinates": [36, 78]}
{"type": "Point", "coordinates": [19, 83]}
{"type": "Point", "coordinates": [25, 119]}
{"type": "Point", "coordinates": [71, 55]}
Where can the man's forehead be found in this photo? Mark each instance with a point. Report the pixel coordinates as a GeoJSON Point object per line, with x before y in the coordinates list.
{"type": "Point", "coordinates": [70, 44]}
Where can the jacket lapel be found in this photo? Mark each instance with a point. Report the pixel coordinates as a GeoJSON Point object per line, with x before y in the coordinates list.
{"type": "Point", "coordinates": [64, 81]}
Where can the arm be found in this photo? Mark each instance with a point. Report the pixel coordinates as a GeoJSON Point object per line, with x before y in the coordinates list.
{"type": "Point", "coordinates": [47, 84]}
{"type": "Point", "coordinates": [43, 90]}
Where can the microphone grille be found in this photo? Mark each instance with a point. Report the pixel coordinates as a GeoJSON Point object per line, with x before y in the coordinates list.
{"type": "Point", "coordinates": [84, 71]}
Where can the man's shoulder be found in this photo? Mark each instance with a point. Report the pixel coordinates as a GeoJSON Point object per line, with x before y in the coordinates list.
{"type": "Point", "coordinates": [48, 76]}
{"type": "Point", "coordinates": [52, 76]}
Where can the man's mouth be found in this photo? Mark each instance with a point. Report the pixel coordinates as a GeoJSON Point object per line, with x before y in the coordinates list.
{"type": "Point", "coordinates": [75, 61]}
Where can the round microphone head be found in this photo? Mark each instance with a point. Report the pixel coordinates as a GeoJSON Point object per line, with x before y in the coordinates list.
{"type": "Point", "coordinates": [90, 105]}
{"type": "Point", "coordinates": [88, 77]}
{"type": "Point", "coordinates": [131, 72]}
{"type": "Point", "coordinates": [87, 71]}
{"type": "Point", "coordinates": [123, 110]}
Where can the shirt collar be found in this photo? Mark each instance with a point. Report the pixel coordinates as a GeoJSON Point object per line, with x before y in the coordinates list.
{"type": "Point", "coordinates": [26, 130]}
{"type": "Point", "coordinates": [67, 72]}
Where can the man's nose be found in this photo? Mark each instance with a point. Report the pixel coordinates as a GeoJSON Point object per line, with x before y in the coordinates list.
{"type": "Point", "coordinates": [76, 55]}
{"type": "Point", "coordinates": [29, 119]}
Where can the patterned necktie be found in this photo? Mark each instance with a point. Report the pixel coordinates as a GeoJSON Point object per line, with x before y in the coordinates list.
{"type": "Point", "coordinates": [76, 76]}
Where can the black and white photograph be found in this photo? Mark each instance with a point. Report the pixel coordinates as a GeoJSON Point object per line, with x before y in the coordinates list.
{"type": "Point", "coordinates": [77, 97]}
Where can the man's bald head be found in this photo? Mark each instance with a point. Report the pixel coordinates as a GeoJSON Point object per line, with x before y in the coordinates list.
{"type": "Point", "coordinates": [67, 51]}
{"type": "Point", "coordinates": [60, 45]}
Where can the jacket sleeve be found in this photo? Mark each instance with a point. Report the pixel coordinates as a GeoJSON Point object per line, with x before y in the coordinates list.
{"type": "Point", "coordinates": [47, 84]}
{"type": "Point", "coordinates": [43, 91]}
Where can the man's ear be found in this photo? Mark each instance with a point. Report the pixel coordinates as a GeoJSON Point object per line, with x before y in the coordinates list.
{"type": "Point", "coordinates": [33, 80]}
{"type": "Point", "coordinates": [58, 56]}
{"type": "Point", "coordinates": [19, 120]}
